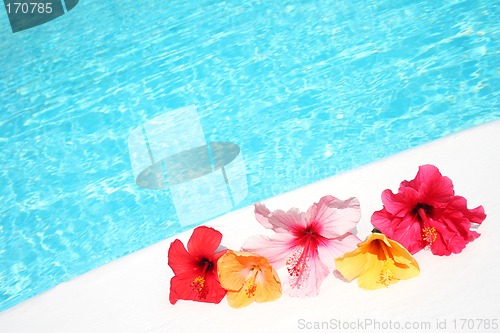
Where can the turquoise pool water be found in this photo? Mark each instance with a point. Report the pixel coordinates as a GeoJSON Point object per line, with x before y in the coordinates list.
{"type": "Point", "coordinates": [307, 89]}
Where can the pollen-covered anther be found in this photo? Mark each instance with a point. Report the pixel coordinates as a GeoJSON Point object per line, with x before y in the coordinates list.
{"type": "Point", "coordinates": [298, 269]}
{"type": "Point", "coordinates": [386, 274]}
{"type": "Point", "coordinates": [429, 234]}
{"type": "Point", "coordinates": [250, 287]}
{"type": "Point", "coordinates": [198, 283]}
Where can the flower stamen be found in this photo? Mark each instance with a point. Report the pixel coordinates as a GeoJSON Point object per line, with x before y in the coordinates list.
{"type": "Point", "coordinates": [198, 284]}
{"type": "Point", "coordinates": [429, 235]}
{"type": "Point", "coordinates": [297, 267]}
{"type": "Point", "coordinates": [250, 286]}
{"type": "Point", "coordinates": [386, 274]}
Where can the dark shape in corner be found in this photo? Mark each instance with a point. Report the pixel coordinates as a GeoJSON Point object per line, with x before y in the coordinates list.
{"type": "Point", "coordinates": [25, 14]}
{"type": "Point", "coordinates": [70, 4]}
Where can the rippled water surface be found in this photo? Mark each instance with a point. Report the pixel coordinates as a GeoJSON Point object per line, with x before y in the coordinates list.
{"type": "Point", "coordinates": [307, 89]}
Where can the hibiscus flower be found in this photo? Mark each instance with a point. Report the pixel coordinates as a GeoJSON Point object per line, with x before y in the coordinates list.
{"type": "Point", "coordinates": [196, 269]}
{"type": "Point", "coordinates": [377, 262]}
{"type": "Point", "coordinates": [248, 277]}
{"type": "Point", "coordinates": [307, 244]}
{"type": "Point", "coordinates": [426, 213]}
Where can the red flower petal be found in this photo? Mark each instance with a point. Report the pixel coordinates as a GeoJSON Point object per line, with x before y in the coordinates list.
{"type": "Point", "coordinates": [180, 260]}
{"type": "Point", "coordinates": [204, 241]}
{"type": "Point", "coordinates": [180, 289]}
{"type": "Point", "coordinates": [475, 215]}
{"type": "Point", "coordinates": [433, 187]}
{"type": "Point", "coordinates": [401, 203]}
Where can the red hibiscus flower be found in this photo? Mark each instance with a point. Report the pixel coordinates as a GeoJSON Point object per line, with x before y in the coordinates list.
{"type": "Point", "coordinates": [426, 213]}
{"type": "Point", "coordinates": [196, 269]}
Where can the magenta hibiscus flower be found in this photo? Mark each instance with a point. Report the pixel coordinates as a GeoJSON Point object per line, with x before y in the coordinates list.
{"type": "Point", "coordinates": [307, 243]}
{"type": "Point", "coordinates": [426, 213]}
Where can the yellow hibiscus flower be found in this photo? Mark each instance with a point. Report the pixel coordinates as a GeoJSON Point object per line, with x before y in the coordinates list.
{"type": "Point", "coordinates": [377, 262]}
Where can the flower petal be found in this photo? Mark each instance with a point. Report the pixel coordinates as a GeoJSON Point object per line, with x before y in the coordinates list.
{"type": "Point", "coordinates": [308, 283]}
{"type": "Point", "coordinates": [270, 289]}
{"type": "Point", "coordinates": [275, 249]}
{"type": "Point", "coordinates": [215, 292]}
{"type": "Point", "coordinates": [384, 221]}
{"type": "Point", "coordinates": [240, 298]}
{"type": "Point", "coordinates": [406, 266]}
{"type": "Point", "coordinates": [329, 249]}
{"type": "Point", "coordinates": [370, 278]}
{"type": "Point", "coordinates": [409, 234]}
{"type": "Point", "coordinates": [230, 272]}
{"type": "Point", "coordinates": [351, 264]}
{"type": "Point", "coordinates": [433, 188]}
{"type": "Point", "coordinates": [401, 203]}
{"type": "Point", "coordinates": [180, 289]}
{"type": "Point", "coordinates": [279, 221]}
{"type": "Point", "coordinates": [459, 204]}
{"type": "Point", "coordinates": [407, 231]}
{"type": "Point", "coordinates": [204, 242]}
{"type": "Point", "coordinates": [180, 260]}
{"type": "Point", "coordinates": [333, 216]}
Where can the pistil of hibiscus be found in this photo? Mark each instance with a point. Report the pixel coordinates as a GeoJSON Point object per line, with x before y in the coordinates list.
{"type": "Point", "coordinates": [250, 286]}
{"type": "Point", "coordinates": [297, 266]}
{"type": "Point", "coordinates": [386, 274]}
{"type": "Point", "coordinates": [429, 234]}
{"type": "Point", "coordinates": [198, 285]}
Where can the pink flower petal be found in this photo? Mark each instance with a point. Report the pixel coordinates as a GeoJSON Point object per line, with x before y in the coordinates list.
{"type": "Point", "coordinates": [279, 221]}
{"type": "Point", "coordinates": [334, 248]}
{"type": "Point", "coordinates": [308, 285]}
{"type": "Point", "coordinates": [334, 217]}
{"type": "Point", "coordinates": [275, 249]}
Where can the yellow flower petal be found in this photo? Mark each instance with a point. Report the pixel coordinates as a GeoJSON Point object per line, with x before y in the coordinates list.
{"type": "Point", "coordinates": [351, 264]}
{"type": "Point", "coordinates": [370, 278]}
{"type": "Point", "coordinates": [407, 266]}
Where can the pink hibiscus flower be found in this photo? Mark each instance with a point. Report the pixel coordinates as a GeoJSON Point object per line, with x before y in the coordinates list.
{"type": "Point", "coordinates": [307, 243]}
{"type": "Point", "coordinates": [426, 213]}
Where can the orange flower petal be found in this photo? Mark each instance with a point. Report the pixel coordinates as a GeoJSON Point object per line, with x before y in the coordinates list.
{"type": "Point", "coordinates": [230, 272]}
{"type": "Point", "coordinates": [270, 288]}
